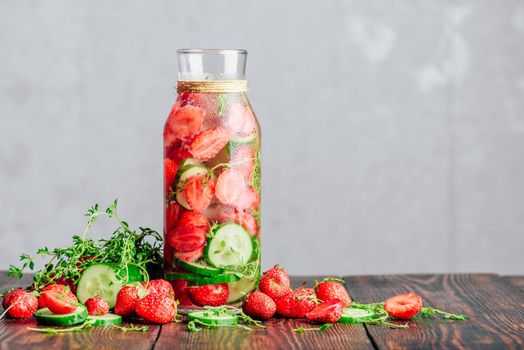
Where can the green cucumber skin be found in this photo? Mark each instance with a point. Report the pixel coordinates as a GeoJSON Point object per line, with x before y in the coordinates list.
{"type": "Point", "coordinates": [207, 254]}
{"type": "Point", "coordinates": [46, 317]}
{"type": "Point", "coordinates": [211, 271]}
{"type": "Point", "coordinates": [180, 196]}
{"type": "Point", "coordinates": [220, 321]}
{"type": "Point", "coordinates": [106, 320]}
{"type": "Point", "coordinates": [368, 316]}
{"type": "Point", "coordinates": [196, 280]}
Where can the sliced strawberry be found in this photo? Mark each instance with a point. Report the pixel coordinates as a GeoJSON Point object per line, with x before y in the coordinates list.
{"type": "Point", "coordinates": [248, 222]}
{"type": "Point", "coordinates": [193, 219]}
{"type": "Point", "coordinates": [206, 101]}
{"type": "Point", "coordinates": [182, 123]}
{"type": "Point", "coordinates": [248, 199]}
{"type": "Point", "coordinates": [172, 214]}
{"type": "Point", "coordinates": [170, 169]}
{"type": "Point", "coordinates": [60, 302]}
{"type": "Point", "coordinates": [326, 312]}
{"type": "Point", "coordinates": [177, 151]}
{"type": "Point", "coordinates": [209, 295]}
{"type": "Point", "coordinates": [241, 119]}
{"type": "Point", "coordinates": [208, 143]}
{"type": "Point", "coordinates": [190, 256]}
{"type": "Point", "coordinates": [186, 239]}
{"type": "Point", "coordinates": [199, 192]}
{"type": "Point", "coordinates": [403, 306]}
{"type": "Point", "coordinates": [221, 213]}
{"type": "Point", "coordinates": [243, 160]}
{"type": "Point", "coordinates": [230, 187]}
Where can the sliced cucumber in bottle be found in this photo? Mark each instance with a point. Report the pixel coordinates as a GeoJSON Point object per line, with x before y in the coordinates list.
{"type": "Point", "coordinates": [196, 280]}
{"type": "Point", "coordinates": [230, 247]}
{"type": "Point", "coordinates": [185, 173]}
{"type": "Point", "coordinates": [104, 280]}
{"type": "Point", "coordinates": [207, 317]}
{"type": "Point", "coordinates": [354, 315]}
{"type": "Point", "coordinates": [106, 320]}
{"type": "Point", "coordinates": [200, 268]}
{"type": "Point", "coordinates": [46, 317]}
{"type": "Point", "coordinates": [239, 139]}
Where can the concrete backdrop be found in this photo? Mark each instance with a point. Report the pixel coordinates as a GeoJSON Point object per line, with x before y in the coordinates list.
{"type": "Point", "coordinates": [393, 132]}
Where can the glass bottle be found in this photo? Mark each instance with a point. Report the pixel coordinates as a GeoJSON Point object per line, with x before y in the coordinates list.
{"type": "Point", "coordinates": [211, 181]}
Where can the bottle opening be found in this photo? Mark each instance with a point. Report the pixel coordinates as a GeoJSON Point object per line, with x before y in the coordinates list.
{"type": "Point", "coordinates": [211, 64]}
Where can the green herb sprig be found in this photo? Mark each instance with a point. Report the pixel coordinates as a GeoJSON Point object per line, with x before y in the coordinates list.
{"type": "Point", "coordinates": [323, 328]}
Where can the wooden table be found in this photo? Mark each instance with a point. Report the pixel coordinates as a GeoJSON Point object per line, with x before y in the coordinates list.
{"type": "Point", "coordinates": [494, 304]}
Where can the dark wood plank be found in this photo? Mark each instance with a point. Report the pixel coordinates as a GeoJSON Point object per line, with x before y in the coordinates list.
{"type": "Point", "coordinates": [14, 333]}
{"type": "Point", "coordinates": [514, 281]}
{"type": "Point", "coordinates": [496, 317]}
{"type": "Point", "coordinates": [278, 334]}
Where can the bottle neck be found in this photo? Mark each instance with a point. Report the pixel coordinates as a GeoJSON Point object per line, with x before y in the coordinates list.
{"type": "Point", "coordinates": [211, 65]}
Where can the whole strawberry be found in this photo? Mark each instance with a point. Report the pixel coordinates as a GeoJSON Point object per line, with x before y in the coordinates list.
{"type": "Point", "coordinates": [259, 306]}
{"type": "Point", "coordinates": [160, 286]}
{"type": "Point", "coordinates": [97, 306]}
{"type": "Point", "coordinates": [297, 303]}
{"type": "Point", "coordinates": [326, 312]}
{"type": "Point", "coordinates": [20, 304]}
{"type": "Point", "coordinates": [275, 283]}
{"type": "Point", "coordinates": [156, 308]}
{"type": "Point", "coordinates": [209, 295]}
{"type": "Point", "coordinates": [332, 288]}
{"type": "Point", "coordinates": [127, 298]}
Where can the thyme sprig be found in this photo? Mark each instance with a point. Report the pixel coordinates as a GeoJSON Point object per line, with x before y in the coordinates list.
{"type": "Point", "coordinates": [126, 247]}
{"type": "Point", "coordinates": [324, 327]}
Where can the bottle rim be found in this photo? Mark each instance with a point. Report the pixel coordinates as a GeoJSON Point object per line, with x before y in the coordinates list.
{"type": "Point", "coordinates": [212, 51]}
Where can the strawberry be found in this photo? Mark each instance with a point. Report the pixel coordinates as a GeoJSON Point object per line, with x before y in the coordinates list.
{"type": "Point", "coordinates": [171, 215]}
{"type": "Point", "coordinates": [190, 256]}
{"type": "Point", "coordinates": [297, 303]}
{"type": "Point", "coordinates": [244, 161]}
{"type": "Point", "coordinates": [230, 187]}
{"type": "Point", "coordinates": [241, 119]}
{"type": "Point", "coordinates": [275, 283]}
{"type": "Point", "coordinates": [186, 239]}
{"type": "Point", "coordinates": [159, 286]}
{"type": "Point", "coordinates": [127, 298]}
{"type": "Point", "coordinates": [326, 312]}
{"type": "Point", "coordinates": [170, 169]}
{"type": "Point", "coordinates": [193, 219]}
{"type": "Point", "coordinates": [57, 287]}
{"type": "Point", "coordinates": [182, 123]}
{"type": "Point", "coordinates": [248, 222]}
{"type": "Point", "coordinates": [60, 301]}
{"type": "Point", "coordinates": [209, 295]}
{"type": "Point", "coordinates": [222, 213]}
{"type": "Point", "coordinates": [403, 306]}
{"type": "Point", "coordinates": [259, 306]}
{"type": "Point", "coordinates": [199, 192]}
{"type": "Point", "coordinates": [157, 308]}
{"type": "Point", "coordinates": [248, 199]}
{"type": "Point", "coordinates": [332, 288]}
{"type": "Point", "coordinates": [180, 292]}
{"type": "Point", "coordinates": [206, 101]}
{"type": "Point", "coordinates": [97, 306]}
{"type": "Point", "coordinates": [208, 143]}
{"type": "Point", "coordinates": [20, 304]}
{"type": "Point", "coordinates": [177, 151]}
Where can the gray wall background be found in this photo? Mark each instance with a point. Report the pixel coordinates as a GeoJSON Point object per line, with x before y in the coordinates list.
{"type": "Point", "coordinates": [393, 132]}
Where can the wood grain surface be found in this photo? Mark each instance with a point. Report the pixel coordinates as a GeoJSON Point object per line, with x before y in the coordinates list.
{"type": "Point", "coordinates": [495, 306]}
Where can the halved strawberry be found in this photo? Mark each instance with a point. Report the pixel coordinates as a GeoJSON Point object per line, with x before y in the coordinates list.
{"type": "Point", "coordinates": [205, 100]}
{"type": "Point", "coordinates": [193, 219]}
{"type": "Point", "coordinates": [190, 256]}
{"type": "Point", "coordinates": [171, 216]}
{"type": "Point", "coordinates": [208, 143]}
{"type": "Point", "coordinates": [241, 119]}
{"type": "Point", "coordinates": [170, 169]}
{"type": "Point", "coordinates": [182, 123]}
{"type": "Point", "coordinates": [247, 221]}
{"type": "Point", "coordinates": [243, 160]}
{"type": "Point", "coordinates": [248, 199]}
{"type": "Point", "coordinates": [199, 192]}
{"type": "Point", "coordinates": [326, 312]}
{"type": "Point", "coordinates": [177, 151]}
{"type": "Point", "coordinates": [186, 239]}
{"type": "Point", "coordinates": [209, 294]}
{"type": "Point", "coordinates": [230, 187]}
{"type": "Point", "coordinates": [403, 306]}
{"type": "Point", "coordinates": [60, 302]}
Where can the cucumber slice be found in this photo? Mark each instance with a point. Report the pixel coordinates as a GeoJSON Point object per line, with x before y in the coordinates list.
{"type": "Point", "coordinates": [239, 290]}
{"type": "Point", "coordinates": [103, 280]}
{"type": "Point", "coordinates": [189, 161]}
{"type": "Point", "coordinates": [106, 320]}
{"type": "Point", "coordinates": [196, 280]}
{"type": "Point", "coordinates": [243, 139]}
{"type": "Point", "coordinates": [200, 268]}
{"type": "Point", "coordinates": [230, 247]}
{"type": "Point", "coordinates": [354, 315]}
{"type": "Point", "coordinates": [185, 173]}
{"type": "Point", "coordinates": [207, 317]}
{"type": "Point", "coordinates": [46, 317]}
